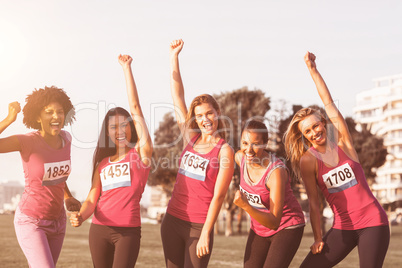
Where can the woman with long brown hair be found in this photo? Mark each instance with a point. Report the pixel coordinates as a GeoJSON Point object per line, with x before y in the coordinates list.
{"type": "Point", "coordinates": [205, 172]}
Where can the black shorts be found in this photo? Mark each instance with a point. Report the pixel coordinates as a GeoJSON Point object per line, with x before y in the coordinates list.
{"type": "Point", "coordinates": [114, 246]}
{"type": "Point", "coordinates": [179, 239]}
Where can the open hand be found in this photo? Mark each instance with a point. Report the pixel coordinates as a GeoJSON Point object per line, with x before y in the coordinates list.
{"type": "Point", "coordinates": [203, 246]}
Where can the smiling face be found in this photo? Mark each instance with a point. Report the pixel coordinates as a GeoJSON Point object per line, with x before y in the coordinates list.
{"type": "Point", "coordinates": [252, 145]}
{"type": "Point", "coordinates": [207, 118]}
{"type": "Point", "coordinates": [51, 119]}
{"type": "Point", "coordinates": [313, 129]}
{"type": "Point", "coordinates": [119, 130]}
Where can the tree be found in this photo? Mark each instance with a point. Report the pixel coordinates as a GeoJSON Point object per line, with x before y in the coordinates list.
{"type": "Point", "coordinates": [237, 107]}
{"type": "Point", "coordinates": [168, 145]}
{"type": "Point", "coordinates": [370, 149]}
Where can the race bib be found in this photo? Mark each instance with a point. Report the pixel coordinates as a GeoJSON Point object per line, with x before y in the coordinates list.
{"type": "Point", "coordinates": [193, 166]}
{"type": "Point", "coordinates": [115, 176]}
{"type": "Point", "coordinates": [253, 199]}
{"type": "Point", "coordinates": [56, 172]}
{"type": "Point", "coordinates": [339, 179]}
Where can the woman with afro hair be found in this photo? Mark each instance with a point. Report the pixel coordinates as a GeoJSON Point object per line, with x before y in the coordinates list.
{"type": "Point", "coordinates": [40, 219]}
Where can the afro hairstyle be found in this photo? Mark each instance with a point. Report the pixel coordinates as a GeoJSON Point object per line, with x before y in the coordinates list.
{"type": "Point", "coordinates": [42, 97]}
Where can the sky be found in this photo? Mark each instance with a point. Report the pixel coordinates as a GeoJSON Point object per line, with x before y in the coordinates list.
{"type": "Point", "coordinates": [229, 44]}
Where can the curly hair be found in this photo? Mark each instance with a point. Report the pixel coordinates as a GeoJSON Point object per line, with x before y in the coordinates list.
{"type": "Point", "coordinates": [42, 97]}
{"type": "Point", "coordinates": [295, 143]}
{"type": "Point", "coordinates": [204, 98]}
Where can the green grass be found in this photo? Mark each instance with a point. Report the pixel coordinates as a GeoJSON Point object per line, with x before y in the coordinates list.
{"type": "Point", "coordinates": [227, 251]}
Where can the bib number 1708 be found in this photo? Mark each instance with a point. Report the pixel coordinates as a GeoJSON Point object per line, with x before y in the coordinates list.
{"type": "Point", "coordinates": [340, 178]}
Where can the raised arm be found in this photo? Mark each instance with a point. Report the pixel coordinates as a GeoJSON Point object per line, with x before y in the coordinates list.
{"type": "Point", "coordinates": [10, 144]}
{"type": "Point", "coordinates": [308, 167]}
{"type": "Point", "coordinates": [225, 174]}
{"type": "Point", "coordinates": [332, 111]}
{"type": "Point", "coordinates": [89, 205]}
{"type": "Point", "coordinates": [144, 144]}
{"type": "Point", "coordinates": [176, 84]}
{"type": "Point", "coordinates": [13, 109]}
{"type": "Point", "coordinates": [276, 184]}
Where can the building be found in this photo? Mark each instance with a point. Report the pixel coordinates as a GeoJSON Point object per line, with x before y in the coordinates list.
{"type": "Point", "coordinates": [380, 108]}
{"type": "Point", "coordinates": [10, 193]}
{"type": "Point", "coordinates": [158, 202]}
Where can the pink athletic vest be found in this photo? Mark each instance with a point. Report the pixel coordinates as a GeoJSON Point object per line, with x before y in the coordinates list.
{"type": "Point", "coordinates": [346, 190]}
{"type": "Point", "coordinates": [46, 170]}
{"type": "Point", "coordinates": [258, 196]}
{"type": "Point", "coordinates": [195, 183]}
{"type": "Point", "coordinates": [123, 183]}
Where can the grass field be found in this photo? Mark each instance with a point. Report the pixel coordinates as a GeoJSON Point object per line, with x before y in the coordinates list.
{"type": "Point", "coordinates": [227, 251]}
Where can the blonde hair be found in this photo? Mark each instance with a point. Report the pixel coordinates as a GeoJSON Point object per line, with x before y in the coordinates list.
{"type": "Point", "coordinates": [190, 118]}
{"type": "Point", "coordinates": [295, 143]}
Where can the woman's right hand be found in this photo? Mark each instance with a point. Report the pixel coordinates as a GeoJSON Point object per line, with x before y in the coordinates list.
{"type": "Point", "coordinates": [176, 46]}
{"type": "Point", "coordinates": [309, 59]}
{"type": "Point", "coordinates": [240, 199]}
{"type": "Point", "coordinates": [13, 109]}
{"type": "Point", "coordinates": [317, 247]}
{"type": "Point", "coordinates": [125, 60]}
{"type": "Point", "coordinates": [76, 219]}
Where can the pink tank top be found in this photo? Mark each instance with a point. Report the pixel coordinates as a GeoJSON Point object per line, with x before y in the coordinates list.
{"type": "Point", "coordinates": [123, 183]}
{"type": "Point", "coordinates": [346, 190]}
{"type": "Point", "coordinates": [195, 183]}
{"type": "Point", "coordinates": [258, 196]}
{"type": "Point", "coordinates": [45, 169]}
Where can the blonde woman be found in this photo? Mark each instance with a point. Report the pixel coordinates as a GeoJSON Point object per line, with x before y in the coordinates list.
{"type": "Point", "coordinates": [333, 166]}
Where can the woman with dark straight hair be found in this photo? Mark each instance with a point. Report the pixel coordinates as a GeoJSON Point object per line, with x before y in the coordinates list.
{"type": "Point", "coordinates": [277, 220]}
{"type": "Point", "coordinates": [121, 165]}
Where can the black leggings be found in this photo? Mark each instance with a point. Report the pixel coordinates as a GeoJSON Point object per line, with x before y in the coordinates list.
{"type": "Point", "coordinates": [372, 243]}
{"type": "Point", "coordinates": [114, 246]}
{"type": "Point", "coordinates": [274, 251]}
{"type": "Point", "coordinates": [179, 239]}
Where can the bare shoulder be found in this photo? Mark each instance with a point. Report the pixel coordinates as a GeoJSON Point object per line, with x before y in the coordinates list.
{"type": "Point", "coordinates": [238, 157]}
{"type": "Point", "coordinates": [227, 149]}
{"type": "Point", "coordinates": [308, 162]}
{"type": "Point", "coordinates": [307, 157]}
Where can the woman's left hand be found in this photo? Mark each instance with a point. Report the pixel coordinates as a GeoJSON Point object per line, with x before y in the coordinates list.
{"type": "Point", "coordinates": [72, 204]}
{"type": "Point", "coordinates": [203, 245]}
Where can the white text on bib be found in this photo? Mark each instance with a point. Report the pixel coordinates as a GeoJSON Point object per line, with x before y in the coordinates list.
{"type": "Point", "coordinates": [115, 176]}
{"type": "Point", "coordinates": [193, 166]}
{"type": "Point", "coordinates": [56, 172]}
{"type": "Point", "coordinates": [339, 179]}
